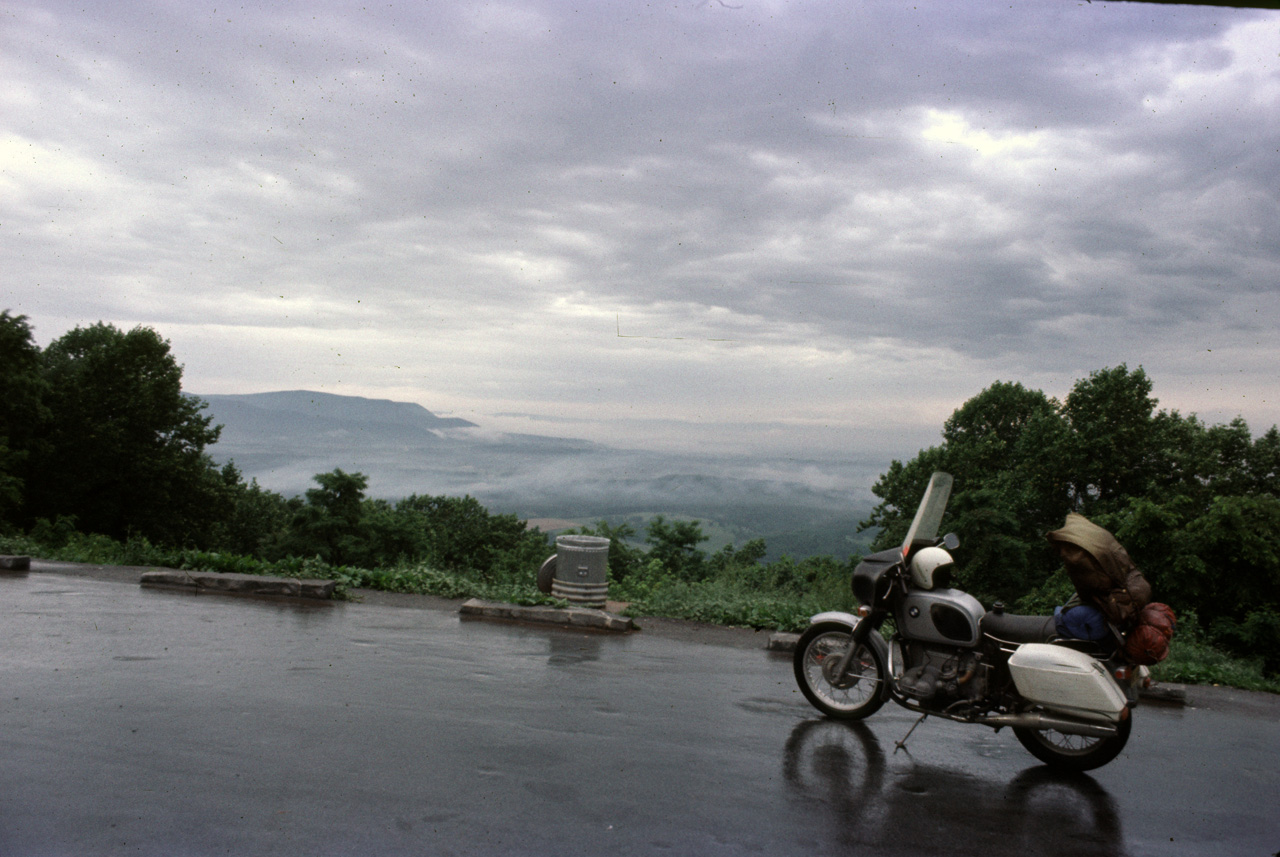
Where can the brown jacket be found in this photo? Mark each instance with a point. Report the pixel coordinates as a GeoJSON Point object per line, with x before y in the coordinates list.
{"type": "Point", "coordinates": [1101, 569]}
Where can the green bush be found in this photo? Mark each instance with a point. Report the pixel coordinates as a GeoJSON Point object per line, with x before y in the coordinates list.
{"type": "Point", "coordinates": [19, 545]}
{"type": "Point", "coordinates": [56, 533]}
{"type": "Point", "coordinates": [725, 602]}
{"type": "Point", "coordinates": [1194, 659]}
{"type": "Point", "coordinates": [1055, 591]}
{"type": "Point", "coordinates": [1258, 635]}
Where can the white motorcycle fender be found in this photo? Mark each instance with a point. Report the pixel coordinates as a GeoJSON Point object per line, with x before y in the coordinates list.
{"type": "Point", "coordinates": [835, 616]}
{"type": "Point", "coordinates": [1065, 680]}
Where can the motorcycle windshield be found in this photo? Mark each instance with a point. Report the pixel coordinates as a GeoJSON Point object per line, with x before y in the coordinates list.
{"type": "Point", "coordinates": [928, 519]}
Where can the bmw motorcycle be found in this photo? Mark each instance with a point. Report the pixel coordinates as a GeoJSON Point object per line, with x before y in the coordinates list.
{"type": "Point", "coordinates": [1068, 701]}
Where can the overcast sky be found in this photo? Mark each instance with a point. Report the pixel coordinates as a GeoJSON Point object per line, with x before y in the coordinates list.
{"type": "Point", "coordinates": [780, 226]}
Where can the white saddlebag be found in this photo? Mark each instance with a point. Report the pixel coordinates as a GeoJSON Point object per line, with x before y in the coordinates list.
{"type": "Point", "coordinates": [1062, 679]}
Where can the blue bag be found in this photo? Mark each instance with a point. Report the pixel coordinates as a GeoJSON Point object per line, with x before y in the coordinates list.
{"type": "Point", "coordinates": [1080, 622]}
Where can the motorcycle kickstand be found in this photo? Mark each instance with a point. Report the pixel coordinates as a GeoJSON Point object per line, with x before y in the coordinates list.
{"type": "Point", "coordinates": [902, 745]}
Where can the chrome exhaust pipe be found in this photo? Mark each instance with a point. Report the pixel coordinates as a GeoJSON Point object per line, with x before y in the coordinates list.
{"type": "Point", "coordinates": [1035, 720]}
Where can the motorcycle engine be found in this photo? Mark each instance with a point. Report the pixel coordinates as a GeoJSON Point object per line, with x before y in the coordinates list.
{"type": "Point", "coordinates": [941, 675]}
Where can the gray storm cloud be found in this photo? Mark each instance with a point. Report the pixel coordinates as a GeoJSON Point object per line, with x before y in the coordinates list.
{"type": "Point", "coordinates": [692, 226]}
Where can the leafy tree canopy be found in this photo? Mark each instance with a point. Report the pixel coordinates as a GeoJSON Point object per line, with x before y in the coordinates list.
{"type": "Point", "coordinates": [23, 415]}
{"type": "Point", "coordinates": [675, 545]}
{"type": "Point", "coordinates": [125, 446]}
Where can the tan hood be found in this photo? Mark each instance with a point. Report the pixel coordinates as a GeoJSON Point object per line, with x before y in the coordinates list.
{"type": "Point", "coordinates": [1104, 573]}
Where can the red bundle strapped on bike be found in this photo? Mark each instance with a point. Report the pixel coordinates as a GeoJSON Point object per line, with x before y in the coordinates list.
{"type": "Point", "coordinates": [1148, 642]}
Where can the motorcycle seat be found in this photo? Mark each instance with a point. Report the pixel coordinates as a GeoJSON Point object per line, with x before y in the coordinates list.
{"type": "Point", "coordinates": [1011, 628]}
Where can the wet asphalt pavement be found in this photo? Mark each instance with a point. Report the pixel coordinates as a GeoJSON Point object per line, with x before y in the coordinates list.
{"type": "Point", "coordinates": [150, 722]}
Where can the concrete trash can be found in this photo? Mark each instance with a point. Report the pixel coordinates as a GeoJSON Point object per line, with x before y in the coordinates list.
{"type": "Point", "coordinates": [581, 567]}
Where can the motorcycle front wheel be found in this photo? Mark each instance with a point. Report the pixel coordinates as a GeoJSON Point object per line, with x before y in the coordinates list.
{"type": "Point", "coordinates": [1073, 752]}
{"type": "Point", "coordinates": [851, 696]}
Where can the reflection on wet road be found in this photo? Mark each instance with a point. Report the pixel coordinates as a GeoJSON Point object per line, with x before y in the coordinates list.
{"type": "Point", "coordinates": [157, 723]}
{"type": "Point", "coordinates": [838, 774]}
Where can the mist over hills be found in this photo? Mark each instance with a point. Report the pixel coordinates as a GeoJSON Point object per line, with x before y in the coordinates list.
{"type": "Point", "coordinates": [283, 439]}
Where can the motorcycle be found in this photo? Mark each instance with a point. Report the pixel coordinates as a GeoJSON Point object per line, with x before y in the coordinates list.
{"type": "Point", "coordinates": [1069, 702]}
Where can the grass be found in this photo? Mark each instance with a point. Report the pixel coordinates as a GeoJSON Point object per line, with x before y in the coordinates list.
{"type": "Point", "coordinates": [735, 600]}
{"type": "Point", "coordinates": [1194, 660]}
{"type": "Point", "coordinates": [413, 578]}
{"type": "Point", "coordinates": [719, 603]}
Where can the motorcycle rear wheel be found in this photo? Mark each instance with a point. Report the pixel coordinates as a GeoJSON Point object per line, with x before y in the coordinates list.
{"type": "Point", "coordinates": [852, 696]}
{"type": "Point", "coordinates": [1073, 752]}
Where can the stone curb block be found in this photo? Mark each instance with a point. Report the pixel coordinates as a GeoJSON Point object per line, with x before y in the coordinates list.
{"type": "Point", "coordinates": [238, 584]}
{"type": "Point", "coordinates": [574, 617]}
{"type": "Point", "coordinates": [782, 641]}
{"type": "Point", "coordinates": [1176, 693]}
{"type": "Point", "coordinates": [15, 563]}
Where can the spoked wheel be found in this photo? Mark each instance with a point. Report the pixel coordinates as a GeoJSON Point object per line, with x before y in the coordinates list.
{"type": "Point", "coordinates": [1074, 752]}
{"type": "Point", "coordinates": [851, 696]}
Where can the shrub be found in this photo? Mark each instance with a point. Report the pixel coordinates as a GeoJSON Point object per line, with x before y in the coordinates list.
{"type": "Point", "coordinates": [1258, 635]}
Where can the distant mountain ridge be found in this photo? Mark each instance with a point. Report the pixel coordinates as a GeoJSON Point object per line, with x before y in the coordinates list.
{"type": "Point", "coordinates": [329, 409]}
{"type": "Point", "coordinates": [283, 439]}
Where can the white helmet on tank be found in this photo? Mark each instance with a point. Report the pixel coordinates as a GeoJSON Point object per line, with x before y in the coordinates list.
{"type": "Point", "coordinates": [926, 565]}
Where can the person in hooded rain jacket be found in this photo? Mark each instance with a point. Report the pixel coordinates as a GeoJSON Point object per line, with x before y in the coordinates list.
{"type": "Point", "coordinates": [1101, 570]}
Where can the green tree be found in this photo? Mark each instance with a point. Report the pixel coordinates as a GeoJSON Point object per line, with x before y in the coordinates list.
{"type": "Point", "coordinates": [984, 433]}
{"type": "Point", "coordinates": [1114, 453]}
{"type": "Point", "coordinates": [10, 485]}
{"type": "Point", "coordinates": [462, 535]}
{"type": "Point", "coordinates": [23, 416]}
{"type": "Point", "coordinates": [1008, 445]}
{"type": "Point", "coordinates": [1222, 560]}
{"type": "Point", "coordinates": [328, 525]}
{"type": "Point", "coordinates": [999, 556]}
{"type": "Point", "coordinates": [1264, 464]}
{"type": "Point", "coordinates": [393, 535]}
{"type": "Point", "coordinates": [125, 452]}
{"type": "Point", "coordinates": [675, 545]}
{"type": "Point", "coordinates": [256, 516]}
{"type": "Point", "coordinates": [1007, 448]}
{"type": "Point", "coordinates": [739, 563]}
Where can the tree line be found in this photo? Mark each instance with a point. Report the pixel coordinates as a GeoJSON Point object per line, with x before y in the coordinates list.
{"type": "Point", "coordinates": [1197, 506]}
